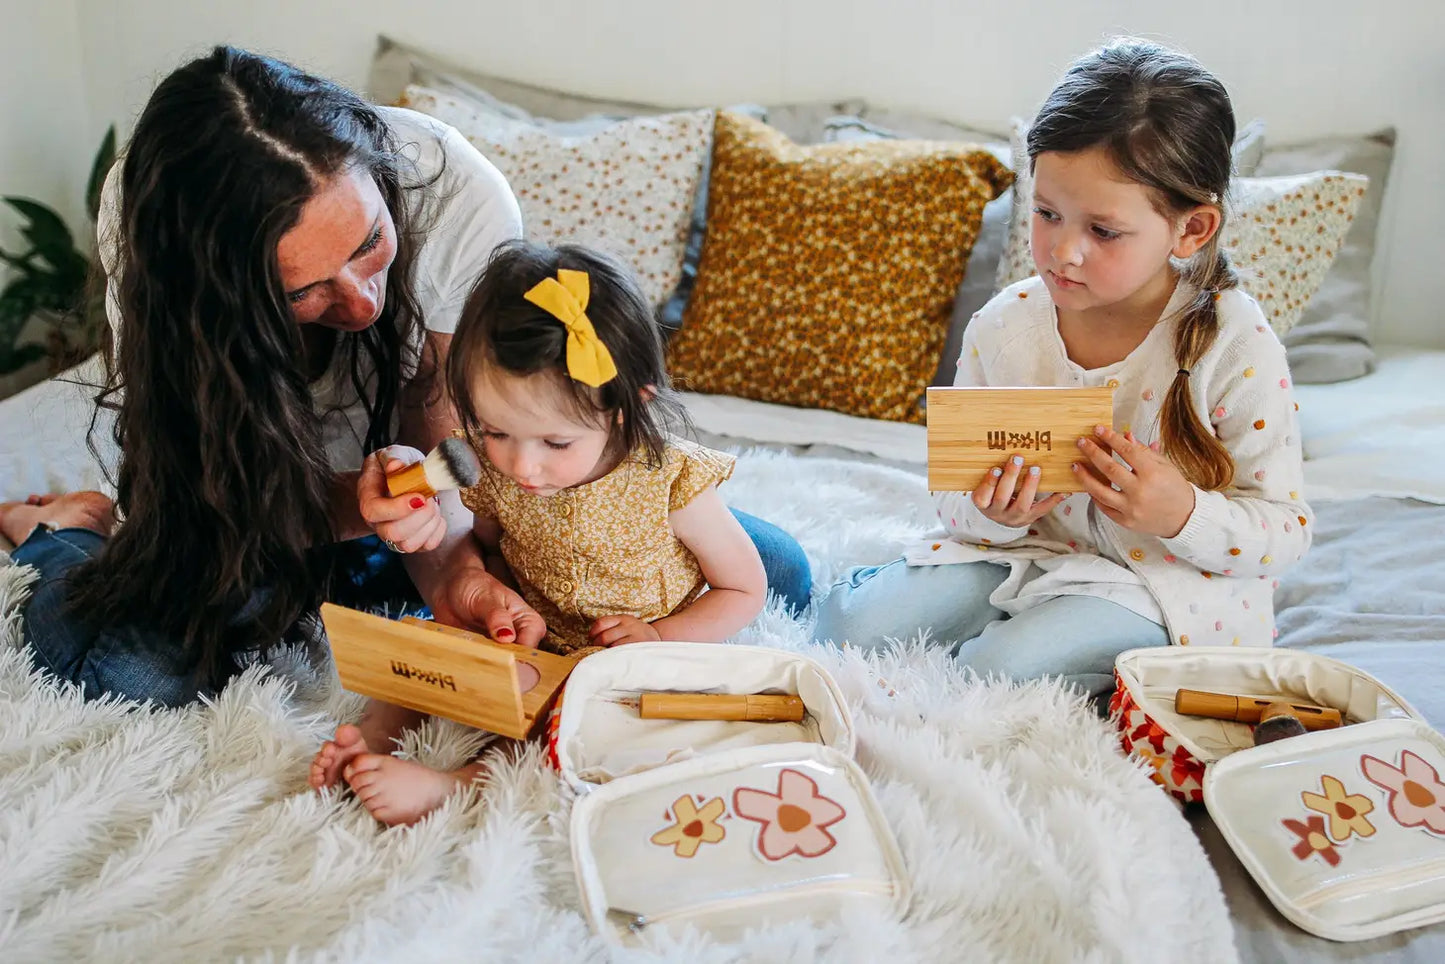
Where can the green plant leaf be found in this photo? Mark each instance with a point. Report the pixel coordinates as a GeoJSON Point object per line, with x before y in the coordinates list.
{"type": "Point", "coordinates": [45, 230]}
{"type": "Point", "coordinates": [14, 359]}
{"type": "Point", "coordinates": [104, 160]}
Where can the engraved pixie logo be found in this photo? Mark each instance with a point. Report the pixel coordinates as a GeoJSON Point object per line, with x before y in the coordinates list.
{"type": "Point", "coordinates": [1038, 441]}
{"type": "Point", "coordinates": [439, 680]}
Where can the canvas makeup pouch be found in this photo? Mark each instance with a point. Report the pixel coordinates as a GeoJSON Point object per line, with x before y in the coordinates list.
{"type": "Point", "coordinates": [1180, 747]}
{"type": "Point", "coordinates": [734, 840]}
{"type": "Point", "coordinates": [1343, 828]}
{"type": "Point", "coordinates": [717, 825]}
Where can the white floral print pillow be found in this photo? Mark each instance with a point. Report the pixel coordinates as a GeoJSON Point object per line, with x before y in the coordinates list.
{"type": "Point", "coordinates": [626, 187]}
{"type": "Point", "coordinates": [1282, 233]}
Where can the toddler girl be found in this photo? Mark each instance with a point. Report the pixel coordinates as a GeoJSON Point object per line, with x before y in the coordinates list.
{"type": "Point", "coordinates": [598, 526]}
{"type": "Point", "coordinates": [1191, 505]}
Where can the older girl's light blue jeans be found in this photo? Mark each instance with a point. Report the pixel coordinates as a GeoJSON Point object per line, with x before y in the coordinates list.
{"type": "Point", "coordinates": [1075, 638]}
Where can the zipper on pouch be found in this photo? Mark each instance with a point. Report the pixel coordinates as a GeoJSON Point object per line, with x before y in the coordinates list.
{"type": "Point", "coordinates": [1345, 889]}
{"type": "Point", "coordinates": [637, 922]}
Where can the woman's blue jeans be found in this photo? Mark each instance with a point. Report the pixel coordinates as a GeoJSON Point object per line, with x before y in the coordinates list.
{"type": "Point", "coordinates": [133, 662]}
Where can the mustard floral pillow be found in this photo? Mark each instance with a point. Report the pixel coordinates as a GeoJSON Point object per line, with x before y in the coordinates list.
{"type": "Point", "coordinates": [828, 272]}
{"type": "Point", "coordinates": [626, 187]}
{"type": "Point", "coordinates": [1282, 233]}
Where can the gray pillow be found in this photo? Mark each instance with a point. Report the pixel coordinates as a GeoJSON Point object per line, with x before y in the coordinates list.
{"type": "Point", "coordinates": [1331, 341]}
{"type": "Point", "coordinates": [395, 65]}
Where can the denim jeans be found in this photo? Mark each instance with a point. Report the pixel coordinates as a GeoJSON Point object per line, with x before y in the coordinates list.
{"type": "Point", "coordinates": [1073, 637]}
{"type": "Point", "coordinates": [134, 662]}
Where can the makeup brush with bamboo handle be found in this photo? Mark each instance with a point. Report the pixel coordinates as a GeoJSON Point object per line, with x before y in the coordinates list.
{"type": "Point", "coordinates": [1248, 709]}
{"type": "Point", "coordinates": [750, 707]}
{"type": "Point", "coordinates": [451, 465]}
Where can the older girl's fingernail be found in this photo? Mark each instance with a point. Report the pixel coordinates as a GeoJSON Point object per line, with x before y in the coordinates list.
{"type": "Point", "coordinates": [1033, 470]}
{"type": "Point", "coordinates": [1017, 460]}
{"type": "Point", "coordinates": [1083, 442]}
{"type": "Point", "coordinates": [996, 472]}
{"type": "Point", "coordinates": [417, 502]}
{"type": "Point", "coordinates": [1098, 430]}
{"type": "Point", "coordinates": [1074, 466]}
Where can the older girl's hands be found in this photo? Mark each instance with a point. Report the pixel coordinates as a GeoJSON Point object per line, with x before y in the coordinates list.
{"type": "Point", "coordinates": [1148, 495]}
{"type": "Point", "coordinates": [1002, 499]}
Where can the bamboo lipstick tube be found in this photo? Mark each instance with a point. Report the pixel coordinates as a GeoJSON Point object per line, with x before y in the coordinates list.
{"type": "Point", "coordinates": [1247, 709]}
{"type": "Point", "coordinates": [749, 707]}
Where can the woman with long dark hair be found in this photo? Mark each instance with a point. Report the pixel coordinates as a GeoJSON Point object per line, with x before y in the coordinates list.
{"type": "Point", "coordinates": [285, 264]}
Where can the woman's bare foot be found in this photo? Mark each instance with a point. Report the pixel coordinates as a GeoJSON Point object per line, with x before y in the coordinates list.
{"type": "Point", "coordinates": [397, 791]}
{"type": "Point", "coordinates": [82, 510]}
{"type": "Point", "coordinates": [335, 754]}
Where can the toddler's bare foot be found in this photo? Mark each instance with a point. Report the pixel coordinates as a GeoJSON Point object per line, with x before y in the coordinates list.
{"type": "Point", "coordinates": [397, 791]}
{"type": "Point", "coordinates": [84, 510]}
{"type": "Point", "coordinates": [335, 754]}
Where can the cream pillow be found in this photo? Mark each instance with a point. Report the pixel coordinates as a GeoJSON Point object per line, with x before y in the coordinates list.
{"type": "Point", "coordinates": [1282, 233]}
{"type": "Point", "coordinates": [626, 187]}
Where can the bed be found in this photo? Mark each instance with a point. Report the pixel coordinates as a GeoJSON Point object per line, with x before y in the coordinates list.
{"type": "Point", "coordinates": [1370, 592]}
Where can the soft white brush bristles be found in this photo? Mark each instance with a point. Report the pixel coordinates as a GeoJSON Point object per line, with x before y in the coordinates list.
{"type": "Point", "coordinates": [452, 465]}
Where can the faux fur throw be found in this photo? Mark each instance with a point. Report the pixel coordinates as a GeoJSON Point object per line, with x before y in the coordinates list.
{"type": "Point", "coordinates": [128, 833]}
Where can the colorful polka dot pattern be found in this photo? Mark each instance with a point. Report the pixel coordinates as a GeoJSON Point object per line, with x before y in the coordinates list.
{"type": "Point", "coordinates": [1282, 233]}
{"type": "Point", "coordinates": [627, 189]}
{"type": "Point", "coordinates": [828, 274]}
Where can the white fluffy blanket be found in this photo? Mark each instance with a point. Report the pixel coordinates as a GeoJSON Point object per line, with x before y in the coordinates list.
{"type": "Point", "coordinates": [133, 834]}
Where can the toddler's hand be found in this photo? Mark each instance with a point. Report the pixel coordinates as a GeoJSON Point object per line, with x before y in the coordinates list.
{"type": "Point", "coordinates": [615, 630]}
{"type": "Point", "coordinates": [997, 499]}
{"type": "Point", "coordinates": [408, 523]}
{"type": "Point", "coordinates": [1148, 495]}
{"type": "Point", "coordinates": [475, 598]}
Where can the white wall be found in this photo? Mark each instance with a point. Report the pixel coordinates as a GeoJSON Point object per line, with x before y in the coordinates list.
{"type": "Point", "coordinates": [1308, 67]}
{"type": "Point", "coordinates": [45, 137]}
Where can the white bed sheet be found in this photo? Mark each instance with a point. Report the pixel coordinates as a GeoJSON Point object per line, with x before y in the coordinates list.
{"type": "Point", "coordinates": [1381, 435]}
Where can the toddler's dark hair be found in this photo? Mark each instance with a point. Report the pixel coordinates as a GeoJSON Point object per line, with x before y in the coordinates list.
{"type": "Point", "coordinates": [1167, 123]}
{"type": "Point", "coordinates": [499, 326]}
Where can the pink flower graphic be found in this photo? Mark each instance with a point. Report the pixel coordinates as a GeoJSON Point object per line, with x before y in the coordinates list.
{"type": "Point", "coordinates": [793, 818]}
{"type": "Point", "coordinates": [1416, 794]}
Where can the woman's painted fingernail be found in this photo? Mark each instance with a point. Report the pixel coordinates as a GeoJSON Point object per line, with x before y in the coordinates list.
{"type": "Point", "coordinates": [505, 633]}
{"type": "Point", "coordinates": [1017, 460]}
{"type": "Point", "coordinates": [1033, 470]}
{"type": "Point", "coordinates": [417, 502]}
{"type": "Point", "coordinates": [997, 472]}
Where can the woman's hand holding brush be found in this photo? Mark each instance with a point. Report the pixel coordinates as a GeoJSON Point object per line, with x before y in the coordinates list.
{"type": "Point", "coordinates": [396, 492]}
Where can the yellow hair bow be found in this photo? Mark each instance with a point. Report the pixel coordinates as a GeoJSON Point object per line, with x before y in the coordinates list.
{"type": "Point", "coordinates": [565, 298]}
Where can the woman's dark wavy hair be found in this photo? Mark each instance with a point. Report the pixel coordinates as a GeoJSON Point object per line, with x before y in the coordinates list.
{"type": "Point", "coordinates": [500, 328]}
{"type": "Point", "coordinates": [223, 482]}
{"type": "Point", "coordinates": [1167, 123]}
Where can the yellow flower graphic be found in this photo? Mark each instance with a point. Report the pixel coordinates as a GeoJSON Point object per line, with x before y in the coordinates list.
{"type": "Point", "coordinates": [693, 827]}
{"type": "Point", "coordinates": [1346, 811]}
